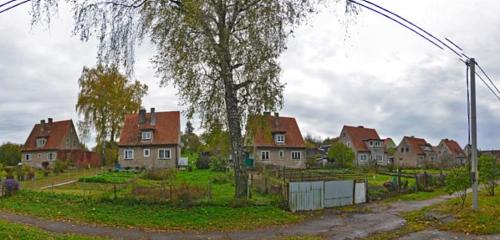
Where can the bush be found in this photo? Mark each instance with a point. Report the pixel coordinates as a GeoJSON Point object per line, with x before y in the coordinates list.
{"type": "Point", "coordinates": [221, 179]}
{"type": "Point", "coordinates": [218, 164]}
{"type": "Point", "coordinates": [29, 172]}
{"type": "Point", "coordinates": [10, 186]}
{"type": "Point", "coordinates": [203, 162]}
{"type": "Point", "coordinates": [46, 168]}
{"type": "Point", "coordinates": [457, 182]}
{"type": "Point", "coordinates": [162, 174]}
{"type": "Point", "coordinates": [59, 166]}
{"type": "Point", "coordinates": [185, 195]}
{"type": "Point", "coordinates": [489, 172]}
{"type": "Point", "coordinates": [19, 173]}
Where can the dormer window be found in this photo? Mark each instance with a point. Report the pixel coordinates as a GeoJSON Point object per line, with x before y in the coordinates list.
{"type": "Point", "coordinates": [146, 136]}
{"type": "Point", "coordinates": [280, 139]}
{"type": "Point", "coordinates": [40, 142]}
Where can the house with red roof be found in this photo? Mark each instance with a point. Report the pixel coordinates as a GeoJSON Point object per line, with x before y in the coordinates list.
{"type": "Point", "coordinates": [150, 140]}
{"type": "Point", "coordinates": [414, 153]}
{"type": "Point", "coordinates": [449, 153]}
{"type": "Point", "coordinates": [367, 145]}
{"type": "Point", "coordinates": [277, 140]}
{"type": "Point", "coordinates": [56, 140]}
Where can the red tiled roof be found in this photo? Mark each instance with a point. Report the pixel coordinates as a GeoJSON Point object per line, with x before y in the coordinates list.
{"type": "Point", "coordinates": [166, 131]}
{"type": "Point", "coordinates": [54, 133]}
{"type": "Point", "coordinates": [453, 146]}
{"type": "Point", "coordinates": [285, 125]}
{"type": "Point", "coordinates": [388, 140]}
{"type": "Point", "coordinates": [359, 134]}
{"type": "Point", "coordinates": [416, 143]}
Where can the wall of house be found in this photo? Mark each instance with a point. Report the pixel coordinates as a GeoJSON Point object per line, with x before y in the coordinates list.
{"type": "Point", "coordinates": [286, 161]}
{"type": "Point", "coordinates": [406, 159]}
{"type": "Point", "coordinates": [151, 162]}
{"type": "Point", "coordinates": [37, 157]}
{"type": "Point", "coordinates": [346, 140]}
{"type": "Point", "coordinates": [443, 153]}
{"type": "Point", "coordinates": [70, 141]}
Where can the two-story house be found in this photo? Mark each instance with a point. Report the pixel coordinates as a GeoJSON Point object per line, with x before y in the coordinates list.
{"type": "Point", "coordinates": [52, 140]}
{"type": "Point", "coordinates": [449, 154]}
{"type": "Point", "coordinates": [414, 153]}
{"type": "Point", "coordinates": [150, 140]}
{"type": "Point", "coordinates": [277, 141]}
{"type": "Point", "coordinates": [366, 144]}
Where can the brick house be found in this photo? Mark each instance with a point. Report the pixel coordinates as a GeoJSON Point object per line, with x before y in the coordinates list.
{"type": "Point", "coordinates": [150, 140]}
{"type": "Point", "coordinates": [56, 140]}
{"type": "Point", "coordinates": [278, 141]}
{"type": "Point", "coordinates": [366, 144]}
{"type": "Point", "coordinates": [449, 151]}
{"type": "Point", "coordinates": [414, 153]}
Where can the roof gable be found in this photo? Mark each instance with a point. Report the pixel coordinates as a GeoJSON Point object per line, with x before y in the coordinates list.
{"type": "Point", "coordinates": [166, 130]}
{"type": "Point", "coordinates": [54, 132]}
{"type": "Point", "coordinates": [416, 144]}
{"type": "Point", "coordinates": [282, 125]}
{"type": "Point", "coordinates": [453, 146]}
{"type": "Point", "coordinates": [358, 135]}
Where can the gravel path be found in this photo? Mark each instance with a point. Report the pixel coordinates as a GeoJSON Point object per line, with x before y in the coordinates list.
{"type": "Point", "coordinates": [332, 225]}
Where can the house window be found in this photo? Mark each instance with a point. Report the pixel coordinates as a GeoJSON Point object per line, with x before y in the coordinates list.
{"type": "Point", "coordinates": [41, 142]}
{"type": "Point", "coordinates": [378, 158]}
{"type": "Point", "coordinates": [282, 154]}
{"type": "Point", "coordinates": [50, 156]}
{"type": "Point", "coordinates": [264, 155]}
{"type": "Point", "coordinates": [280, 139]}
{"type": "Point", "coordinates": [164, 154]}
{"type": "Point", "coordinates": [129, 154]}
{"type": "Point", "coordinates": [296, 155]}
{"type": "Point", "coordinates": [27, 157]}
{"type": "Point", "coordinates": [146, 135]}
{"type": "Point", "coordinates": [362, 157]}
{"type": "Point", "coordinates": [147, 152]}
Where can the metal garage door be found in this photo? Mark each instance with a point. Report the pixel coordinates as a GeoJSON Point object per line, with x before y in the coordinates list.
{"type": "Point", "coordinates": [338, 193]}
{"type": "Point", "coordinates": [305, 196]}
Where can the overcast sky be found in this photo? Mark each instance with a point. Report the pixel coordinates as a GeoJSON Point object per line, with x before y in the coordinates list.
{"type": "Point", "coordinates": [370, 72]}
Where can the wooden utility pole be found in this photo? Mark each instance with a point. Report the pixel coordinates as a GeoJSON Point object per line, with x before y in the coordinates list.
{"type": "Point", "coordinates": [474, 162]}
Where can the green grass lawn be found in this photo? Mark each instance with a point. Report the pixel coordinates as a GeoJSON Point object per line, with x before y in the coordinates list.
{"type": "Point", "coordinates": [152, 216]}
{"type": "Point", "coordinates": [417, 196]}
{"type": "Point", "coordinates": [11, 231]}
{"type": "Point", "coordinates": [110, 177]}
{"type": "Point", "coordinates": [70, 175]}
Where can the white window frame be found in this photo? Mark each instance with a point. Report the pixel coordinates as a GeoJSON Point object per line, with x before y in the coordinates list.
{"type": "Point", "coordinates": [280, 138]}
{"type": "Point", "coordinates": [164, 150]}
{"type": "Point", "coordinates": [50, 156]}
{"type": "Point", "coordinates": [145, 134]}
{"type": "Point", "coordinates": [296, 155]}
{"type": "Point", "coordinates": [27, 157]}
{"type": "Point", "coordinates": [281, 154]}
{"type": "Point", "coordinates": [127, 152]}
{"type": "Point", "coordinates": [265, 155]}
{"type": "Point", "coordinates": [148, 152]}
{"type": "Point", "coordinates": [40, 142]}
{"type": "Point", "coordinates": [362, 157]}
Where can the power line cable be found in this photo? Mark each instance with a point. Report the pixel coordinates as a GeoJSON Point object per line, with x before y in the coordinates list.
{"type": "Point", "coordinates": [13, 6]}
{"type": "Point", "coordinates": [3, 4]}
{"type": "Point", "coordinates": [389, 17]}
{"type": "Point", "coordinates": [492, 91]}
{"type": "Point", "coordinates": [414, 25]}
{"type": "Point", "coordinates": [488, 77]}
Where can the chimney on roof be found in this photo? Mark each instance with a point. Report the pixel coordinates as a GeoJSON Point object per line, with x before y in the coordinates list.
{"type": "Point", "coordinates": [142, 116]}
{"type": "Point", "coordinates": [360, 126]}
{"type": "Point", "coordinates": [42, 124]}
{"type": "Point", "coordinates": [276, 114]}
{"type": "Point", "coordinates": [153, 117]}
{"type": "Point", "coordinates": [50, 120]}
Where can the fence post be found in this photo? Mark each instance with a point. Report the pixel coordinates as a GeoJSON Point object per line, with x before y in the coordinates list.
{"type": "Point", "coordinates": [265, 184]}
{"type": "Point", "coordinates": [416, 182]}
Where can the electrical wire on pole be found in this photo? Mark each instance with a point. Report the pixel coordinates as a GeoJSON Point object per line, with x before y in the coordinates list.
{"type": "Point", "coordinates": [13, 6]}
